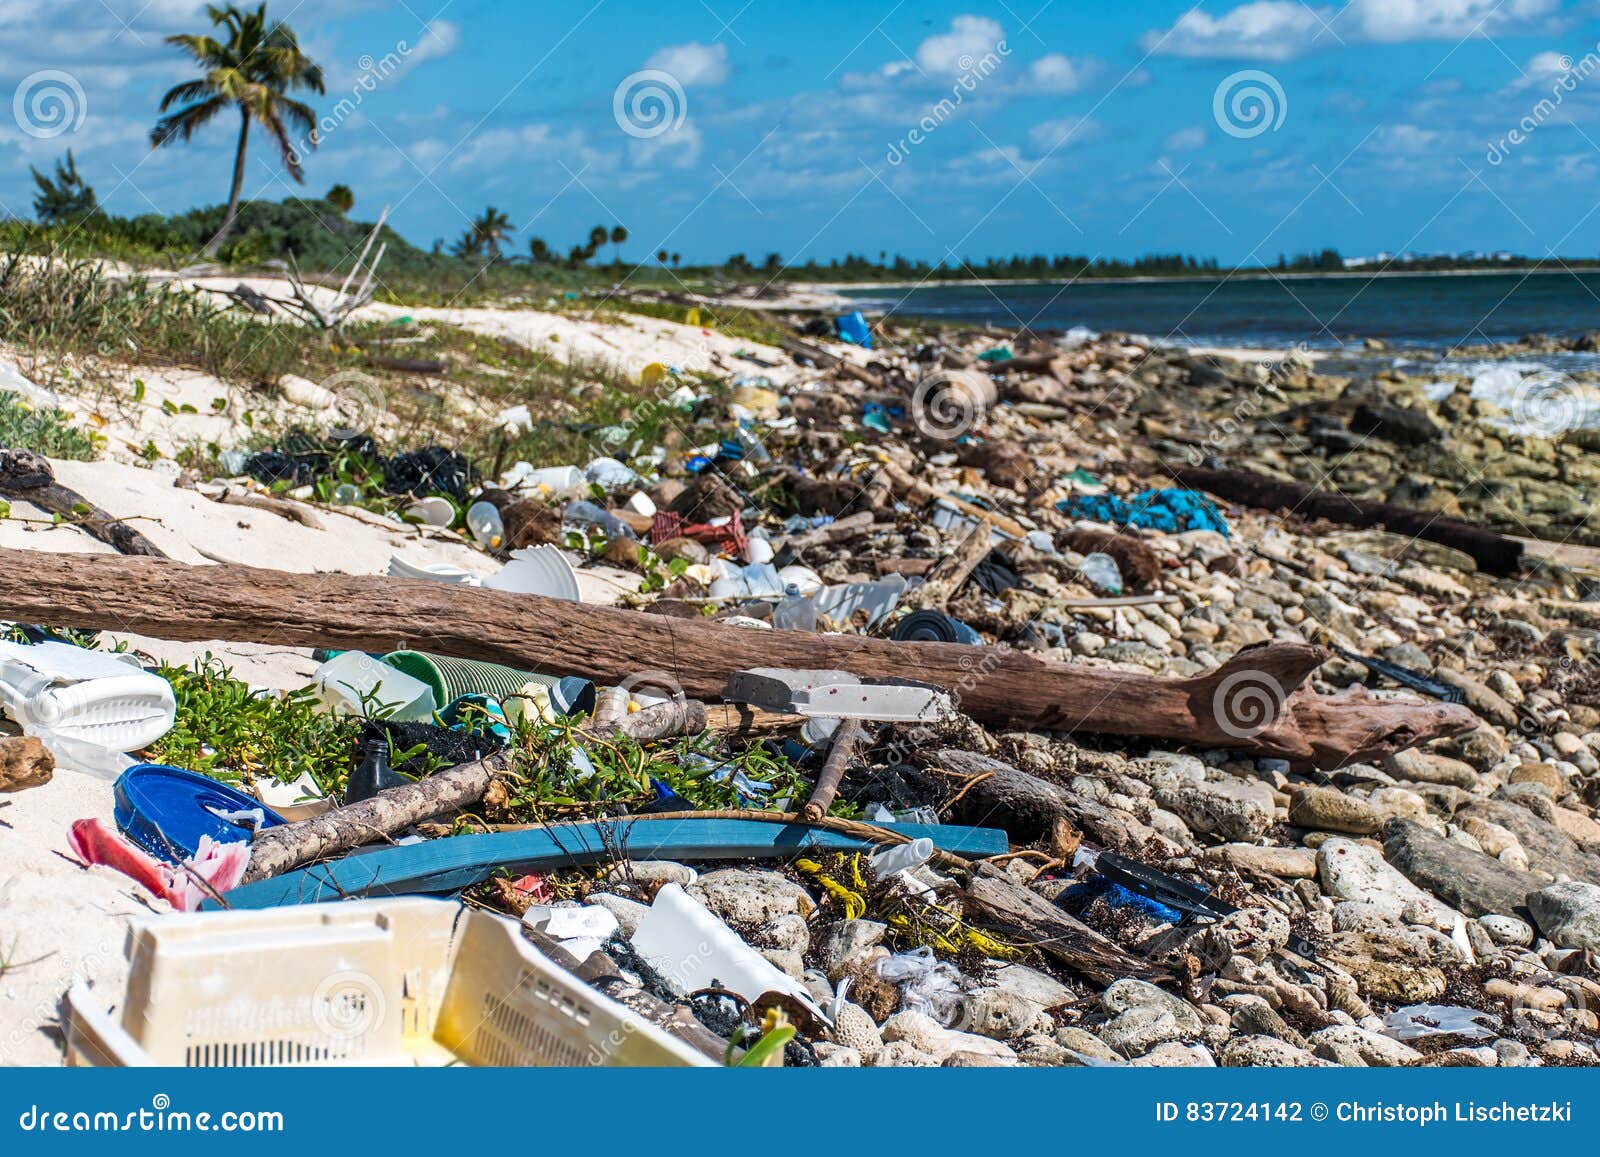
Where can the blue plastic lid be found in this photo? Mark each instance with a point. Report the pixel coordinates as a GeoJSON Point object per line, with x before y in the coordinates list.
{"type": "Point", "coordinates": [165, 810]}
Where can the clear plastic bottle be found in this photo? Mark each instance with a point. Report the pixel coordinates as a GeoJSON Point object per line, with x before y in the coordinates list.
{"type": "Point", "coordinates": [795, 612]}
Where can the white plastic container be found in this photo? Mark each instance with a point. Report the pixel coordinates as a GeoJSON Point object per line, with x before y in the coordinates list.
{"type": "Point", "coordinates": [368, 982]}
{"type": "Point", "coordinates": [352, 680]}
{"type": "Point", "coordinates": [91, 705]}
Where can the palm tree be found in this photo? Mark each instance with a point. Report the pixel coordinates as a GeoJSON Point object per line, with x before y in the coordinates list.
{"type": "Point", "coordinates": [491, 230]}
{"type": "Point", "coordinates": [341, 198]}
{"type": "Point", "coordinates": [618, 236]}
{"type": "Point", "coordinates": [253, 70]}
{"type": "Point", "coordinates": [661, 256]}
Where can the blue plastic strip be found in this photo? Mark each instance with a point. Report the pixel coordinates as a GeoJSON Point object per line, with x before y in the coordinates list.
{"type": "Point", "coordinates": [448, 865]}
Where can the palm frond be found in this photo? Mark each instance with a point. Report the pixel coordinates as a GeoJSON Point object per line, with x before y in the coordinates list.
{"type": "Point", "coordinates": [181, 125]}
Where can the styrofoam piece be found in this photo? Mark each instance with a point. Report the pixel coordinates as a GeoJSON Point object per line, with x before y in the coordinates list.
{"type": "Point", "coordinates": [92, 703]}
{"type": "Point", "coordinates": [692, 949]}
{"type": "Point", "coordinates": [837, 695]}
{"type": "Point", "coordinates": [591, 922]}
{"type": "Point", "coordinates": [353, 678]}
{"type": "Point", "coordinates": [641, 503]}
{"type": "Point", "coordinates": [434, 572]}
{"type": "Point", "coordinates": [537, 570]}
{"type": "Point", "coordinates": [367, 982]}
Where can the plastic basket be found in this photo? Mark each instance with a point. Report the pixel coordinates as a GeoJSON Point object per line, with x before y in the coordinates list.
{"type": "Point", "coordinates": [370, 982]}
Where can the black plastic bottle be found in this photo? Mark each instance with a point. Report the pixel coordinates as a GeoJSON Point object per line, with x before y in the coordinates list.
{"type": "Point", "coordinates": [373, 774]}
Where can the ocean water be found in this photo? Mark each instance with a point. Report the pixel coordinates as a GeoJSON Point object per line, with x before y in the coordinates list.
{"type": "Point", "coordinates": [1420, 311]}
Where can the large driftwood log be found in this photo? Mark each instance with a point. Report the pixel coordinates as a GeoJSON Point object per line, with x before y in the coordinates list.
{"type": "Point", "coordinates": [1494, 553]}
{"type": "Point", "coordinates": [30, 477]}
{"type": "Point", "coordinates": [276, 850]}
{"type": "Point", "coordinates": [1256, 701]}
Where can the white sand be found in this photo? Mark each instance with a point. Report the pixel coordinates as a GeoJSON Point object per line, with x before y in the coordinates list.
{"type": "Point", "coordinates": [629, 344]}
{"type": "Point", "coordinates": [49, 906]}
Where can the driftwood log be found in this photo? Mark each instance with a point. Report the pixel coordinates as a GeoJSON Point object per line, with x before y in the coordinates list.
{"type": "Point", "coordinates": [1257, 701]}
{"type": "Point", "coordinates": [30, 477]}
{"type": "Point", "coordinates": [1494, 553]}
{"type": "Point", "coordinates": [277, 850]}
{"type": "Point", "coordinates": [822, 358]}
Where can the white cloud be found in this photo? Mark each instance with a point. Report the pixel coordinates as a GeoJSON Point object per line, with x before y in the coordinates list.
{"type": "Point", "coordinates": [1286, 29]}
{"type": "Point", "coordinates": [969, 40]}
{"type": "Point", "coordinates": [1048, 136]}
{"type": "Point", "coordinates": [439, 39]}
{"type": "Point", "coordinates": [1405, 140]}
{"type": "Point", "coordinates": [1059, 74]}
{"type": "Point", "coordinates": [693, 64]}
{"type": "Point", "coordinates": [1262, 30]}
{"type": "Point", "coordinates": [678, 149]}
{"type": "Point", "coordinates": [1185, 140]}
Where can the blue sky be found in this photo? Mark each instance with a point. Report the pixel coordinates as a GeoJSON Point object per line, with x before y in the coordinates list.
{"type": "Point", "coordinates": [931, 129]}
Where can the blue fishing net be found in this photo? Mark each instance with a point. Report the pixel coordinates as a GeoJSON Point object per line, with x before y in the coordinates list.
{"type": "Point", "coordinates": [1171, 510]}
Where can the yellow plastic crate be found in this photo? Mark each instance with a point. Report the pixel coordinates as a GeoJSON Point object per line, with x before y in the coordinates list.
{"type": "Point", "coordinates": [369, 982]}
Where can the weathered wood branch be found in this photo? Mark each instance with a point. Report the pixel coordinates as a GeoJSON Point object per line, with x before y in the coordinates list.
{"type": "Point", "coordinates": [31, 478]}
{"type": "Point", "coordinates": [845, 739]}
{"type": "Point", "coordinates": [994, 902]}
{"type": "Point", "coordinates": [277, 850]}
{"type": "Point", "coordinates": [1256, 701]}
{"type": "Point", "coordinates": [1494, 553]}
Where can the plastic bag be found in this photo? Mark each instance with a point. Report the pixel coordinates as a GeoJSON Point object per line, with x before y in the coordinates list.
{"type": "Point", "coordinates": [927, 985]}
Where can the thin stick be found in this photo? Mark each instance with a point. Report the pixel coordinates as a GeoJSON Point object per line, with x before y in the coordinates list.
{"type": "Point", "coordinates": [839, 756]}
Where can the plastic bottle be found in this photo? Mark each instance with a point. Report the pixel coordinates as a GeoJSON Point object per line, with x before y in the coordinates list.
{"type": "Point", "coordinates": [1101, 572]}
{"type": "Point", "coordinates": [584, 513]}
{"type": "Point", "coordinates": [86, 706]}
{"type": "Point", "coordinates": [795, 612]}
{"type": "Point", "coordinates": [373, 774]}
{"type": "Point", "coordinates": [483, 520]}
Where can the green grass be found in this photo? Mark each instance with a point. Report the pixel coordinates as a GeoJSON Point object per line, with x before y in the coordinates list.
{"type": "Point", "coordinates": [228, 732]}
{"type": "Point", "coordinates": [745, 324]}
{"type": "Point", "coordinates": [53, 306]}
{"type": "Point", "coordinates": [47, 432]}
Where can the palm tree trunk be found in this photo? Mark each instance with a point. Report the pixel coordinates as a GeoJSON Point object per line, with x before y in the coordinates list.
{"type": "Point", "coordinates": [238, 187]}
